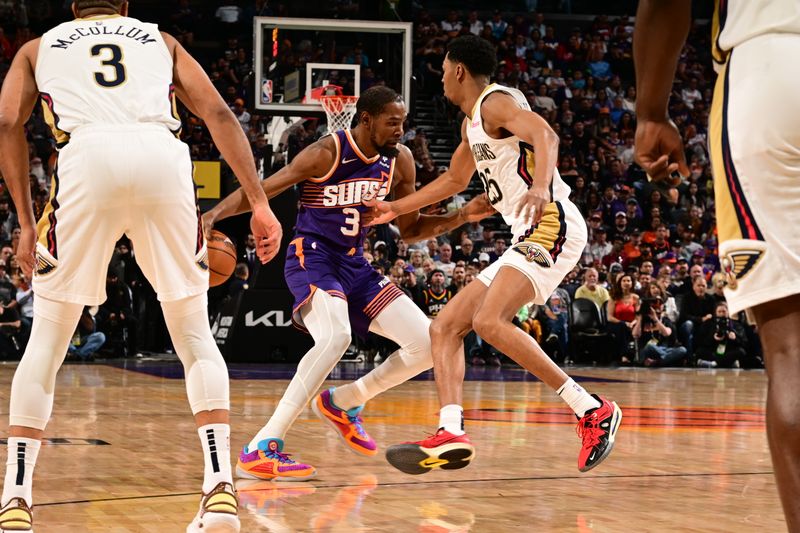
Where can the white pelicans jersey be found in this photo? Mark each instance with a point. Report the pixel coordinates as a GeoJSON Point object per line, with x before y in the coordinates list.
{"type": "Point", "coordinates": [126, 75]}
{"type": "Point", "coordinates": [738, 21]}
{"type": "Point", "coordinates": [506, 166]}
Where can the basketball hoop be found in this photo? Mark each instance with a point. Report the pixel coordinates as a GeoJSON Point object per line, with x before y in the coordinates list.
{"type": "Point", "coordinates": [339, 110]}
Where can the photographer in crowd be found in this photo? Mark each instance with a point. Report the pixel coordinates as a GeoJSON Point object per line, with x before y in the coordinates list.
{"type": "Point", "coordinates": [722, 341]}
{"type": "Point", "coordinates": [654, 331]}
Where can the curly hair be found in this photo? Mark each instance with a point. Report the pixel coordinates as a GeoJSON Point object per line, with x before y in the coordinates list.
{"type": "Point", "coordinates": [477, 54]}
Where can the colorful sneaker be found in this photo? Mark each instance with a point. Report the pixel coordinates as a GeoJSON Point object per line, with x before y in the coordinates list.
{"type": "Point", "coordinates": [16, 516]}
{"type": "Point", "coordinates": [218, 512]}
{"type": "Point", "coordinates": [597, 429]}
{"type": "Point", "coordinates": [269, 462]}
{"type": "Point", "coordinates": [348, 424]}
{"type": "Point", "coordinates": [443, 450]}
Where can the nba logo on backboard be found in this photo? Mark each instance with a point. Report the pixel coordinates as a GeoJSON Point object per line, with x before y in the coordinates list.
{"type": "Point", "coordinates": [266, 91]}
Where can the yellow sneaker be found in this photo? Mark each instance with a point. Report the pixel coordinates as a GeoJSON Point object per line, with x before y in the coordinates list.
{"type": "Point", "coordinates": [16, 515]}
{"type": "Point", "coordinates": [218, 512]}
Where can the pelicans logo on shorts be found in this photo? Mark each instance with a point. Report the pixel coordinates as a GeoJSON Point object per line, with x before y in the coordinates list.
{"type": "Point", "coordinates": [44, 265]}
{"type": "Point", "coordinates": [738, 263]}
{"type": "Point", "coordinates": [533, 253]}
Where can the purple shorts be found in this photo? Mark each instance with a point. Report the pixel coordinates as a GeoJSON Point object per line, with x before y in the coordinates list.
{"type": "Point", "coordinates": [313, 265]}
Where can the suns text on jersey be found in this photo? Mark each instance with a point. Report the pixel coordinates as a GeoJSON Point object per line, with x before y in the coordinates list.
{"type": "Point", "coordinates": [353, 192]}
{"type": "Point", "coordinates": [136, 34]}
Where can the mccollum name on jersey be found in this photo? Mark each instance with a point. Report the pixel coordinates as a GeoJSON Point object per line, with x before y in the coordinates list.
{"type": "Point", "coordinates": [135, 34]}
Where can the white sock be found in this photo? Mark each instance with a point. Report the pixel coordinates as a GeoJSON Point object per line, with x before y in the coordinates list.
{"type": "Point", "coordinates": [352, 395]}
{"type": "Point", "coordinates": [22, 454]}
{"type": "Point", "coordinates": [577, 398]}
{"type": "Point", "coordinates": [279, 423]}
{"type": "Point", "coordinates": [216, 440]}
{"type": "Point", "coordinates": [451, 418]}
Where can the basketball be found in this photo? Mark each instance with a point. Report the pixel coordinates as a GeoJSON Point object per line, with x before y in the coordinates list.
{"type": "Point", "coordinates": [221, 258]}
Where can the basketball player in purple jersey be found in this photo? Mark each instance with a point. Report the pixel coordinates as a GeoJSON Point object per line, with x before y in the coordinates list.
{"type": "Point", "coordinates": [335, 288]}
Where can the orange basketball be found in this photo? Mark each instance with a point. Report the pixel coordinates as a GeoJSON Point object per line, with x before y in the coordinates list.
{"type": "Point", "coordinates": [221, 258]}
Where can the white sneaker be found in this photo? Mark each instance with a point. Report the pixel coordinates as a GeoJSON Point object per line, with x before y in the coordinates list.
{"type": "Point", "coordinates": [218, 512]}
{"type": "Point", "coordinates": [706, 364]}
{"type": "Point", "coordinates": [16, 516]}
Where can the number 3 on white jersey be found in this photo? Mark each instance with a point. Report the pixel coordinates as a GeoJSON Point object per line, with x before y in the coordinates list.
{"type": "Point", "coordinates": [352, 221]}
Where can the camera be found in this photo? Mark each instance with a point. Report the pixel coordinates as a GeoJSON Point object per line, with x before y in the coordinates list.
{"type": "Point", "coordinates": [720, 326]}
{"type": "Point", "coordinates": [645, 306]}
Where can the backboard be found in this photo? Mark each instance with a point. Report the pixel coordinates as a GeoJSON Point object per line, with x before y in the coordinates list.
{"type": "Point", "coordinates": [296, 60]}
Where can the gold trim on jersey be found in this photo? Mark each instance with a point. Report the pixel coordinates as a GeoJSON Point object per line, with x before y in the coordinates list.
{"type": "Point", "coordinates": [717, 25]}
{"type": "Point", "coordinates": [480, 97]}
{"type": "Point", "coordinates": [335, 161]}
{"type": "Point", "coordinates": [174, 109]}
{"type": "Point", "coordinates": [735, 220]}
{"type": "Point", "coordinates": [549, 235]}
{"type": "Point", "coordinates": [51, 118]}
{"type": "Point", "coordinates": [46, 226]}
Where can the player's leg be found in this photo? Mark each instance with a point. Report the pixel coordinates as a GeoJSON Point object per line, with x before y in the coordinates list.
{"type": "Point", "coordinates": [326, 318]}
{"type": "Point", "coordinates": [779, 328]}
{"type": "Point", "coordinates": [449, 448]}
{"type": "Point", "coordinates": [599, 418]}
{"type": "Point", "coordinates": [76, 239]}
{"type": "Point", "coordinates": [164, 226]}
{"type": "Point", "coordinates": [32, 403]}
{"type": "Point", "coordinates": [404, 323]}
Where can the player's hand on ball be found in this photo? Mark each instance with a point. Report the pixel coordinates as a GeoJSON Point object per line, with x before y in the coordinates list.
{"type": "Point", "coordinates": [531, 206]}
{"type": "Point", "coordinates": [478, 208]}
{"type": "Point", "coordinates": [659, 151]}
{"type": "Point", "coordinates": [26, 250]}
{"type": "Point", "coordinates": [208, 223]}
{"type": "Point", "coordinates": [380, 212]}
{"type": "Point", "coordinates": [267, 231]}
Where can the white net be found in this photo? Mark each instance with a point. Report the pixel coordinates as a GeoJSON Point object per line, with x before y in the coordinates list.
{"type": "Point", "coordinates": [339, 110]}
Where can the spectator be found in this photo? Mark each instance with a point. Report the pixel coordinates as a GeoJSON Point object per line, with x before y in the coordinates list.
{"type": "Point", "coordinates": [557, 321]}
{"type": "Point", "coordinates": [591, 290]}
{"type": "Point", "coordinates": [721, 341]}
{"type": "Point", "coordinates": [445, 262]}
{"type": "Point", "coordinates": [621, 314]}
{"type": "Point", "coordinates": [696, 309]}
{"type": "Point", "coordinates": [466, 252]}
{"type": "Point", "coordinates": [654, 331]}
{"type": "Point", "coordinates": [411, 284]}
{"type": "Point", "coordinates": [459, 279]}
{"type": "Point", "coordinates": [499, 249]}
{"type": "Point", "coordinates": [10, 327]}
{"type": "Point", "coordinates": [474, 25]}
{"type": "Point", "coordinates": [115, 317]}
{"type": "Point", "coordinates": [435, 296]}
{"type": "Point", "coordinates": [239, 282]}
{"type": "Point", "coordinates": [497, 25]}
{"type": "Point", "coordinates": [87, 340]}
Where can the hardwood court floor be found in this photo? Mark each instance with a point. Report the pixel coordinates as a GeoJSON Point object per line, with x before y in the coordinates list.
{"type": "Point", "coordinates": [691, 455]}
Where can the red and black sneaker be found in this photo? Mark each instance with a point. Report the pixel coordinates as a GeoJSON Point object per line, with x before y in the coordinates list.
{"type": "Point", "coordinates": [443, 450]}
{"type": "Point", "coordinates": [597, 429]}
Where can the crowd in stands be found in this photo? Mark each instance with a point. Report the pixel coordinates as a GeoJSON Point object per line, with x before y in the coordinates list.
{"type": "Point", "coordinates": [650, 266]}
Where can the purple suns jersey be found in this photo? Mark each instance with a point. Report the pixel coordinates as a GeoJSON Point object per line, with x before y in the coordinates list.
{"type": "Point", "coordinates": [330, 206]}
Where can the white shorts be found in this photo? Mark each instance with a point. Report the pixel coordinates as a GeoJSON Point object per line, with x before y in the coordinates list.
{"type": "Point", "coordinates": [755, 153]}
{"type": "Point", "coordinates": [548, 253]}
{"type": "Point", "coordinates": [115, 180]}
